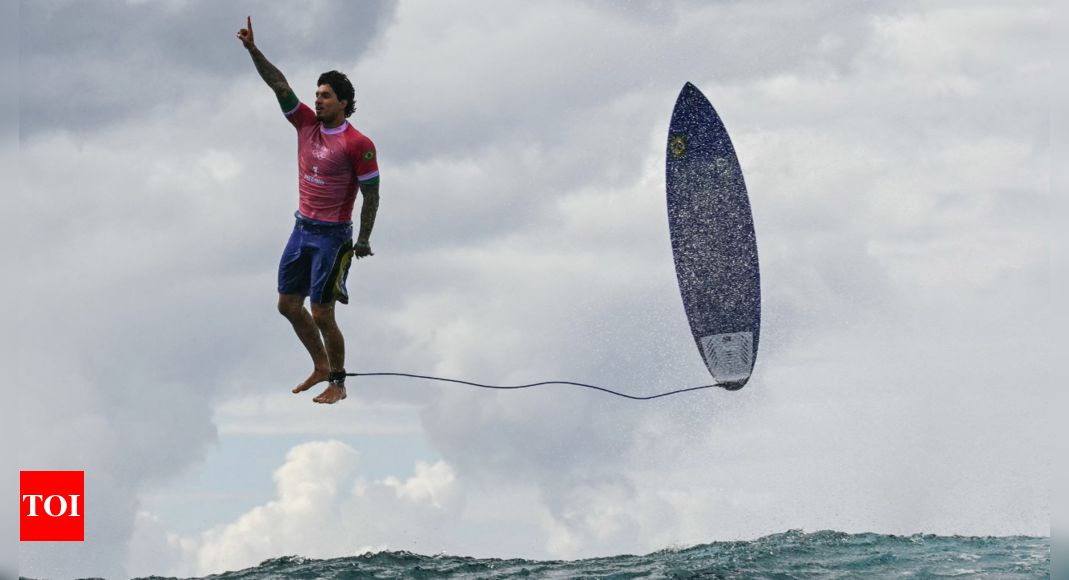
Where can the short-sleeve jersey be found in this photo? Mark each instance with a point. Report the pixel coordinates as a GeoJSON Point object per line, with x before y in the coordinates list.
{"type": "Point", "coordinates": [330, 165]}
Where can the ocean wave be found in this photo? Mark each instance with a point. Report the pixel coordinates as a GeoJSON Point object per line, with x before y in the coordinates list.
{"type": "Point", "coordinates": [790, 555]}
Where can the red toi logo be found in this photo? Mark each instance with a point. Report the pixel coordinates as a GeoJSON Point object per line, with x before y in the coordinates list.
{"type": "Point", "coordinates": [52, 506]}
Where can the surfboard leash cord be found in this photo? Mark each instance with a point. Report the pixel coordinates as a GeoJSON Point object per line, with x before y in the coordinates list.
{"type": "Point", "coordinates": [602, 389]}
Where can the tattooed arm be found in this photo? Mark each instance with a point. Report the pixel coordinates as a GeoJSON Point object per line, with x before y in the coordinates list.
{"type": "Point", "coordinates": [271, 75]}
{"type": "Point", "coordinates": [370, 192]}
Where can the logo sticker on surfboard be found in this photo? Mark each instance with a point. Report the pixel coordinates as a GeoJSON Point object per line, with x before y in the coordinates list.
{"type": "Point", "coordinates": [678, 146]}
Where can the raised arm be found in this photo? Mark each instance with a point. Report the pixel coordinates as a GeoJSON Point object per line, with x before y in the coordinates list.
{"type": "Point", "coordinates": [271, 75]}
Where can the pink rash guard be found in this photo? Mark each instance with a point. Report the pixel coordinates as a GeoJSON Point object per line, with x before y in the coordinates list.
{"type": "Point", "coordinates": [331, 163]}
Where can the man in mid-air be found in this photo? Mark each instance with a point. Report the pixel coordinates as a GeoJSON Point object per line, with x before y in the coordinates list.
{"type": "Point", "coordinates": [334, 161]}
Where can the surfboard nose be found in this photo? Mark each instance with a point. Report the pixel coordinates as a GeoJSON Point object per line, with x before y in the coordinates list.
{"type": "Point", "coordinates": [690, 93]}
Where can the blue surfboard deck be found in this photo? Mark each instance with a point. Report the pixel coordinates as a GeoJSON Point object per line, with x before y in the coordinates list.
{"type": "Point", "coordinates": [713, 240]}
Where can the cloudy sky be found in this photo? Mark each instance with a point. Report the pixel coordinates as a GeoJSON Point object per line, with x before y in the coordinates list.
{"type": "Point", "coordinates": [9, 375]}
{"type": "Point", "coordinates": [898, 161]}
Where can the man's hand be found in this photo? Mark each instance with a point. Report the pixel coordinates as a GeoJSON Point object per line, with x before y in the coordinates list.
{"type": "Point", "coordinates": [245, 36]}
{"type": "Point", "coordinates": [271, 75]}
{"type": "Point", "coordinates": [362, 250]}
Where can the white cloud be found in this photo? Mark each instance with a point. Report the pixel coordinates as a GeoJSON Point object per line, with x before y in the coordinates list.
{"type": "Point", "coordinates": [434, 484]}
{"type": "Point", "coordinates": [301, 521]}
{"type": "Point", "coordinates": [316, 514]}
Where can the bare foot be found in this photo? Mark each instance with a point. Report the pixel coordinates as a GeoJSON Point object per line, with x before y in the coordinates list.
{"type": "Point", "coordinates": [333, 394]}
{"type": "Point", "coordinates": [317, 376]}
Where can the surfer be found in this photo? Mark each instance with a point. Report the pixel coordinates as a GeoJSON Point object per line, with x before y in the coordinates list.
{"type": "Point", "coordinates": [334, 161]}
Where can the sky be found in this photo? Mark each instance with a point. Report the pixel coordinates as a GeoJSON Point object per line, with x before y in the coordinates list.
{"type": "Point", "coordinates": [10, 374]}
{"type": "Point", "coordinates": [897, 156]}
{"type": "Point", "coordinates": [1059, 260]}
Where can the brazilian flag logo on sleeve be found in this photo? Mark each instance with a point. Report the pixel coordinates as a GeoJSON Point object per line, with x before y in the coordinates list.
{"type": "Point", "coordinates": [369, 155]}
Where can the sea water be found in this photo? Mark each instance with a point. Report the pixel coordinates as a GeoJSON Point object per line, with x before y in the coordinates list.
{"type": "Point", "coordinates": [790, 555]}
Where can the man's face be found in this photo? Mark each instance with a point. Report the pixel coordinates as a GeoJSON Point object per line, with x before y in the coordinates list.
{"type": "Point", "coordinates": [328, 107]}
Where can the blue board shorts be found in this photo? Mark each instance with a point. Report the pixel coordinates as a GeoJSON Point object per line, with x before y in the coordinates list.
{"type": "Point", "coordinates": [316, 261]}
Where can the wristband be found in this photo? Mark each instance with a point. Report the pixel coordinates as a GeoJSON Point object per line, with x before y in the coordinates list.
{"type": "Point", "coordinates": [361, 245]}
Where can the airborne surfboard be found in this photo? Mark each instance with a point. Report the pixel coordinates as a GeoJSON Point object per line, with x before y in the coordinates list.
{"type": "Point", "coordinates": [713, 240]}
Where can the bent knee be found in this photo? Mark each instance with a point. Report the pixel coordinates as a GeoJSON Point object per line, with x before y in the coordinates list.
{"type": "Point", "coordinates": [290, 308]}
{"type": "Point", "coordinates": [323, 317]}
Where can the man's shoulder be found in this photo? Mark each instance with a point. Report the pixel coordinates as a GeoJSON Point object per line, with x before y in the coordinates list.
{"type": "Point", "coordinates": [302, 116]}
{"type": "Point", "coordinates": [356, 136]}
{"type": "Point", "coordinates": [359, 144]}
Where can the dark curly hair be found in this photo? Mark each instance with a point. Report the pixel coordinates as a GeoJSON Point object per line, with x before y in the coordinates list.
{"type": "Point", "coordinates": [343, 89]}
